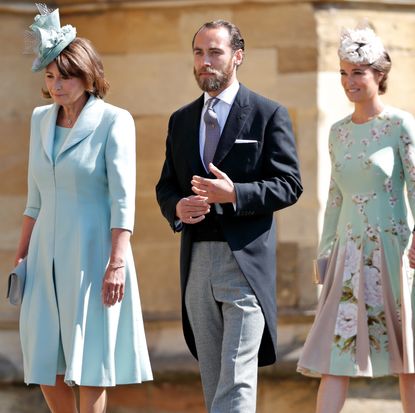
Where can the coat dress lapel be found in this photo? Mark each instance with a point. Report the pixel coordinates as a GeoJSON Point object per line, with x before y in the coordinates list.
{"type": "Point", "coordinates": [86, 123]}
{"type": "Point", "coordinates": [47, 130]}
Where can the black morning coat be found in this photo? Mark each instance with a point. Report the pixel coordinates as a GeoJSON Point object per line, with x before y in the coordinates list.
{"type": "Point", "coordinates": [266, 178]}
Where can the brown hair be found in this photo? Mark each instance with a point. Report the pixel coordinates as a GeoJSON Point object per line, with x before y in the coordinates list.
{"type": "Point", "coordinates": [236, 39]}
{"type": "Point", "coordinates": [383, 65]}
{"type": "Point", "coordinates": [80, 59]}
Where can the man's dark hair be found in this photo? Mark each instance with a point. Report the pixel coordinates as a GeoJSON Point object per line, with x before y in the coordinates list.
{"type": "Point", "coordinates": [237, 41]}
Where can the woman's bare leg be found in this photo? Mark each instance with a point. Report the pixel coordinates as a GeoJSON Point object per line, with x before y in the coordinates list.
{"type": "Point", "coordinates": [60, 398]}
{"type": "Point", "coordinates": [407, 389]}
{"type": "Point", "coordinates": [332, 393]}
{"type": "Point", "coordinates": [92, 399]}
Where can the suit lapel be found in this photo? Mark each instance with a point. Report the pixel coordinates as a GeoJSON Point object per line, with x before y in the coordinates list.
{"type": "Point", "coordinates": [231, 131]}
{"type": "Point", "coordinates": [191, 145]}
{"type": "Point", "coordinates": [234, 124]}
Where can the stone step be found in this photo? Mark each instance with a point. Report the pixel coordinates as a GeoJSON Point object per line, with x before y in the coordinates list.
{"type": "Point", "coordinates": [185, 396]}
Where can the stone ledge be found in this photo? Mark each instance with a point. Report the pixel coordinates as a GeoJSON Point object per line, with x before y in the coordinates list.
{"type": "Point", "coordinates": [91, 6]}
{"type": "Point", "coordinates": [184, 395]}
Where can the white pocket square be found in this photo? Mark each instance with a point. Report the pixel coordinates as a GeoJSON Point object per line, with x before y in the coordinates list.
{"type": "Point", "coordinates": [245, 141]}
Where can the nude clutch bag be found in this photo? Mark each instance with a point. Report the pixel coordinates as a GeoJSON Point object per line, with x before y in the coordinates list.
{"type": "Point", "coordinates": [15, 285]}
{"type": "Point", "coordinates": [320, 269]}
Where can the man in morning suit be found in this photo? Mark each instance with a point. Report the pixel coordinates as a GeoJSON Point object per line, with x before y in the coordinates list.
{"type": "Point", "coordinates": [230, 163]}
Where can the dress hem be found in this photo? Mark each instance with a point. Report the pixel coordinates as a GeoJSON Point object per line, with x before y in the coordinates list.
{"type": "Point", "coordinates": [315, 374]}
{"type": "Point", "coordinates": [72, 383]}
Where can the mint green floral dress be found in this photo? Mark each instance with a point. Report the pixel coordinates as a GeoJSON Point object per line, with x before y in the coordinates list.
{"type": "Point", "coordinates": [364, 325]}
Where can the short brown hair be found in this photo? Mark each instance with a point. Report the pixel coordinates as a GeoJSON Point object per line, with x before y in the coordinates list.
{"type": "Point", "coordinates": [383, 65]}
{"type": "Point", "coordinates": [80, 59]}
{"type": "Point", "coordinates": [236, 39]}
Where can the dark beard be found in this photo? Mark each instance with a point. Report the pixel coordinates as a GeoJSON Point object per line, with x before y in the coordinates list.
{"type": "Point", "coordinates": [215, 83]}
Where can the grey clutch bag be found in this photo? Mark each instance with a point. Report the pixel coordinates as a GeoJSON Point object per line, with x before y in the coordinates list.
{"type": "Point", "coordinates": [15, 286]}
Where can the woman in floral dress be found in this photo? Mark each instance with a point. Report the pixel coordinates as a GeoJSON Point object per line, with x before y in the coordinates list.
{"type": "Point", "coordinates": [364, 326]}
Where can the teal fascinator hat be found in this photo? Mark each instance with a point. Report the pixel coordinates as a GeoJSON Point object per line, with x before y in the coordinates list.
{"type": "Point", "coordinates": [47, 38]}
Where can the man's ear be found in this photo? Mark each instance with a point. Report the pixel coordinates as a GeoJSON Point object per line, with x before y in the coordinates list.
{"type": "Point", "coordinates": [238, 57]}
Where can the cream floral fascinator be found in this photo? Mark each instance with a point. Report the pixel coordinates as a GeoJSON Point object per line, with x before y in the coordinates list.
{"type": "Point", "coordinates": [360, 46]}
{"type": "Point", "coordinates": [47, 38]}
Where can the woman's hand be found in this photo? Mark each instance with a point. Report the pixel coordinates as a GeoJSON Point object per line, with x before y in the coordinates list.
{"type": "Point", "coordinates": [113, 284]}
{"type": "Point", "coordinates": [26, 233]}
{"type": "Point", "coordinates": [114, 279]}
{"type": "Point", "coordinates": [411, 253]}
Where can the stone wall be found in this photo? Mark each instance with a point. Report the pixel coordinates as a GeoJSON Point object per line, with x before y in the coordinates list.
{"type": "Point", "coordinates": [148, 61]}
{"type": "Point", "coordinates": [146, 49]}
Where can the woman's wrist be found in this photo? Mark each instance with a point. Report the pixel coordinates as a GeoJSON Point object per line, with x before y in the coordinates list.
{"type": "Point", "coordinates": [116, 263]}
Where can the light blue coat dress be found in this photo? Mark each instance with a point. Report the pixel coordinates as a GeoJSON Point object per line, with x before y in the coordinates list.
{"type": "Point", "coordinates": [76, 200]}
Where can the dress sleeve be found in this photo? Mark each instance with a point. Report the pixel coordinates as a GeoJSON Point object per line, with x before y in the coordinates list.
{"type": "Point", "coordinates": [33, 195]}
{"type": "Point", "coordinates": [407, 154]}
{"type": "Point", "coordinates": [121, 164]}
{"type": "Point", "coordinates": [331, 215]}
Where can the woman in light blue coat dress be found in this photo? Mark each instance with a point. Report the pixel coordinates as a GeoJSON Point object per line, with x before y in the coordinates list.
{"type": "Point", "coordinates": [81, 320]}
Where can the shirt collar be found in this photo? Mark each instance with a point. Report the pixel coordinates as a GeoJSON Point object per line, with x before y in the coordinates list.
{"type": "Point", "coordinates": [228, 95]}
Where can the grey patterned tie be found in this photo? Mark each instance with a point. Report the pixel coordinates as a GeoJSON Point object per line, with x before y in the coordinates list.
{"type": "Point", "coordinates": [212, 132]}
